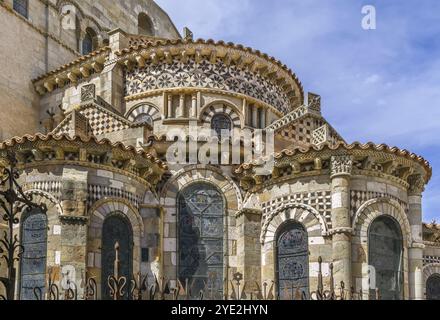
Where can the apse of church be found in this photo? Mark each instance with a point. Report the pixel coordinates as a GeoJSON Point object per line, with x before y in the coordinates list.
{"type": "Point", "coordinates": [94, 152]}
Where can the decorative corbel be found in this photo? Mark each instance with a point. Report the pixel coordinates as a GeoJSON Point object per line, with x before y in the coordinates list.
{"type": "Point", "coordinates": [318, 164]}
{"type": "Point", "coordinates": [38, 154]}
{"type": "Point", "coordinates": [82, 154]}
{"type": "Point", "coordinates": [72, 77]}
{"type": "Point", "coordinates": [184, 56]}
{"type": "Point", "coordinates": [49, 85]}
{"type": "Point", "coordinates": [389, 166]}
{"type": "Point", "coordinates": [97, 66]}
{"type": "Point", "coordinates": [59, 153]}
{"type": "Point", "coordinates": [296, 167]}
{"type": "Point", "coordinates": [405, 172]}
{"type": "Point", "coordinates": [168, 57]}
{"type": "Point", "coordinates": [60, 81]}
{"type": "Point", "coordinates": [85, 71]}
{"type": "Point", "coordinates": [213, 57]}
{"type": "Point", "coordinates": [154, 58]}
{"type": "Point", "coordinates": [198, 56]}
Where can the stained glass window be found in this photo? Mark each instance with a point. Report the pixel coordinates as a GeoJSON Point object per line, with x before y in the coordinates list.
{"type": "Point", "coordinates": [201, 211]}
{"type": "Point", "coordinates": [144, 118]}
{"type": "Point", "coordinates": [33, 261]}
{"type": "Point", "coordinates": [292, 260]}
{"type": "Point", "coordinates": [116, 228]}
{"type": "Point", "coordinates": [89, 41]}
{"type": "Point", "coordinates": [220, 122]}
{"type": "Point", "coordinates": [433, 287]}
{"type": "Point", "coordinates": [21, 7]}
{"type": "Point", "coordinates": [385, 245]}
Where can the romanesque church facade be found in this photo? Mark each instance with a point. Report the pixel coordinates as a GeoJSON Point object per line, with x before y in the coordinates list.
{"type": "Point", "coordinates": [89, 91]}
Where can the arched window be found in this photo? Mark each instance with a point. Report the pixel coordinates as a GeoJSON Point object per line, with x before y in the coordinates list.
{"type": "Point", "coordinates": [201, 212]}
{"type": "Point", "coordinates": [221, 122]}
{"type": "Point", "coordinates": [145, 25]}
{"type": "Point", "coordinates": [144, 118]}
{"type": "Point", "coordinates": [89, 42]}
{"type": "Point", "coordinates": [385, 254]}
{"type": "Point", "coordinates": [292, 267]}
{"type": "Point", "coordinates": [34, 258]}
{"type": "Point", "coordinates": [116, 228]}
{"type": "Point", "coordinates": [433, 287]}
{"type": "Point", "coordinates": [21, 7]}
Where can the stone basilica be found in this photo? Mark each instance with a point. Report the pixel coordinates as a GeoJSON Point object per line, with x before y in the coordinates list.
{"type": "Point", "coordinates": [89, 90]}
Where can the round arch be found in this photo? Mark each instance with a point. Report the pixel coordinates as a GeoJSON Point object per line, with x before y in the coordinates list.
{"type": "Point", "coordinates": [299, 212]}
{"type": "Point", "coordinates": [221, 107]}
{"type": "Point", "coordinates": [373, 208]}
{"type": "Point", "coordinates": [98, 213]}
{"type": "Point", "coordinates": [202, 173]}
{"type": "Point", "coordinates": [143, 108]}
{"type": "Point", "coordinates": [430, 270]}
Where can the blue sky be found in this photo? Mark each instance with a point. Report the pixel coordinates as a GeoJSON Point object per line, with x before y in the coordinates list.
{"type": "Point", "coordinates": [378, 85]}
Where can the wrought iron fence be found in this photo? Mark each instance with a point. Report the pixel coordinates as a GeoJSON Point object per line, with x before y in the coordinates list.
{"type": "Point", "coordinates": [140, 288]}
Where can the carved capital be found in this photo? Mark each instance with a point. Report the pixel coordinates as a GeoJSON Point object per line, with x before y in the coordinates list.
{"type": "Point", "coordinates": [341, 165]}
{"type": "Point", "coordinates": [416, 184]}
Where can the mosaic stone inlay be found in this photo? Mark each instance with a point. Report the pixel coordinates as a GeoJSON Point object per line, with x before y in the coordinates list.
{"type": "Point", "coordinates": [206, 75]}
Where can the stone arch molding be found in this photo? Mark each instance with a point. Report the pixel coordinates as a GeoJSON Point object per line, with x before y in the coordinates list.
{"type": "Point", "coordinates": [105, 207]}
{"type": "Point", "coordinates": [201, 173]}
{"type": "Point", "coordinates": [429, 270]}
{"type": "Point", "coordinates": [374, 208]}
{"type": "Point", "coordinates": [220, 107]}
{"type": "Point", "coordinates": [39, 196]}
{"type": "Point", "coordinates": [144, 108]}
{"type": "Point", "coordinates": [302, 213]}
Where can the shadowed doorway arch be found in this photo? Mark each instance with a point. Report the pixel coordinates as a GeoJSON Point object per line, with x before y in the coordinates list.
{"type": "Point", "coordinates": [385, 254]}
{"type": "Point", "coordinates": [433, 287]}
{"type": "Point", "coordinates": [116, 228]}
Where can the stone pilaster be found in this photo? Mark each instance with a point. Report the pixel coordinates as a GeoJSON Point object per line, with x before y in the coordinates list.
{"type": "Point", "coordinates": [249, 247]}
{"type": "Point", "coordinates": [73, 247]}
{"type": "Point", "coordinates": [341, 167]}
{"type": "Point", "coordinates": [415, 252]}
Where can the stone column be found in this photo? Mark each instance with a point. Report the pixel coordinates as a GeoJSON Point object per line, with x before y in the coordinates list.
{"type": "Point", "coordinates": [193, 113]}
{"type": "Point", "coordinates": [254, 116]}
{"type": "Point", "coordinates": [170, 106]}
{"type": "Point", "coordinates": [249, 247]}
{"type": "Point", "coordinates": [181, 108]}
{"type": "Point", "coordinates": [341, 167]}
{"type": "Point", "coordinates": [415, 252]}
{"type": "Point", "coordinates": [72, 256]}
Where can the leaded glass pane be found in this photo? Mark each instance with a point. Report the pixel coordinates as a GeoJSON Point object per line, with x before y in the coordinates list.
{"type": "Point", "coordinates": [433, 287]}
{"type": "Point", "coordinates": [201, 209]}
{"type": "Point", "coordinates": [21, 7]}
{"type": "Point", "coordinates": [385, 255]}
{"type": "Point", "coordinates": [33, 261]}
{"type": "Point", "coordinates": [116, 228]}
{"type": "Point", "coordinates": [220, 122]}
{"type": "Point", "coordinates": [144, 118]}
{"type": "Point", "coordinates": [292, 260]}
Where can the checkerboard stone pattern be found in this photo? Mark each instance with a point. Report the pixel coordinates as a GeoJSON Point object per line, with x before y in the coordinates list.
{"type": "Point", "coordinates": [100, 120]}
{"type": "Point", "coordinates": [319, 200]}
{"type": "Point", "coordinates": [430, 259]}
{"type": "Point", "coordinates": [357, 198]}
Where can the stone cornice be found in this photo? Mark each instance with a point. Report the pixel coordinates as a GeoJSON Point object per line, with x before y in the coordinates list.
{"type": "Point", "coordinates": [81, 68]}
{"type": "Point", "coordinates": [40, 150]}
